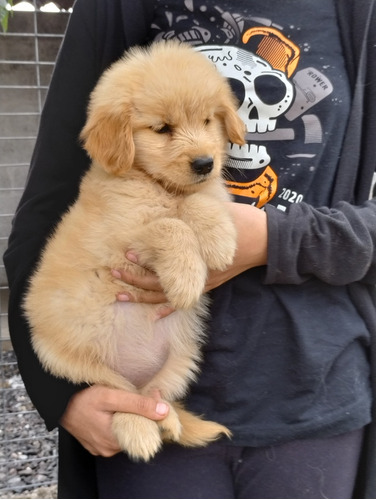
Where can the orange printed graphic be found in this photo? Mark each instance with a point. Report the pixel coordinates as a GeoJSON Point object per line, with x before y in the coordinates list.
{"type": "Point", "coordinates": [261, 189]}
{"type": "Point", "coordinates": [280, 52]}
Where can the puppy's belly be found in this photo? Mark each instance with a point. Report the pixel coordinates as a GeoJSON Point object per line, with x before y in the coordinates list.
{"type": "Point", "coordinates": [140, 344]}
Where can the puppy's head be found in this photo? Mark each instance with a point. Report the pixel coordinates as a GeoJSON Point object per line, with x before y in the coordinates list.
{"type": "Point", "coordinates": [166, 110]}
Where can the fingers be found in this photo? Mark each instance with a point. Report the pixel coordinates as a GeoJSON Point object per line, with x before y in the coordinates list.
{"type": "Point", "coordinates": [147, 297]}
{"type": "Point", "coordinates": [146, 287]}
{"type": "Point", "coordinates": [164, 311]}
{"type": "Point", "coordinates": [141, 295]}
{"type": "Point", "coordinates": [148, 281]}
{"type": "Point", "coordinates": [113, 400]}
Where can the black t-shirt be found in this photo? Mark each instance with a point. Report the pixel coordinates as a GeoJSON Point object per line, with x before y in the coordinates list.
{"type": "Point", "coordinates": [293, 92]}
{"type": "Point", "coordinates": [282, 361]}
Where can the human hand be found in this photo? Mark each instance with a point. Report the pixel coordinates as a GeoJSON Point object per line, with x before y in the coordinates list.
{"type": "Point", "coordinates": [251, 225]}
{"type": "Point", "coordinates": [88, 416]}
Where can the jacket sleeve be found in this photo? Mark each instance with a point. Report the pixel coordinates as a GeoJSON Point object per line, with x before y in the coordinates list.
{"type": "Point", "coordinates": [57, 165]}
{"type": "Point", "coordinates": [97, 34]}
{"type": "Point", "coordinates": [336, 245]}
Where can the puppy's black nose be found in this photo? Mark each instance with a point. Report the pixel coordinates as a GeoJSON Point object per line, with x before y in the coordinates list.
{"type": "Point", "coordinates": [202, 165]}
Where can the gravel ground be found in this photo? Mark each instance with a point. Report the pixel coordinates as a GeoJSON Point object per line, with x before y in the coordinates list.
{"type": "Point", "coordinates": [42, 492]}
{"type": "Point", "coordinates": [28, 453]}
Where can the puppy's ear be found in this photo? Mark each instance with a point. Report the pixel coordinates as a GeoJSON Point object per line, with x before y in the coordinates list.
{"type": "Point", "coordinates": [108, 139]}
{"type": "Point", "coordinates": [234, 125]}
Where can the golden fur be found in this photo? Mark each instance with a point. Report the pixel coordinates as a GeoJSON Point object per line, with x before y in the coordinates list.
{"type": "Point", "coordinates": [152, 115]}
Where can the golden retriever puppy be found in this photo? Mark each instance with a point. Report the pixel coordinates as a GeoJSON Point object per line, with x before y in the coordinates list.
{"type": "Point", "coordinates": [157, 126]}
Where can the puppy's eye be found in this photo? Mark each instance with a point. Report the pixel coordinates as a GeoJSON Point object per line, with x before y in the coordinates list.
{"type": "Point", "coordinates": [207, 121]}
{"type": "Point", "coordinates": [164, 129]}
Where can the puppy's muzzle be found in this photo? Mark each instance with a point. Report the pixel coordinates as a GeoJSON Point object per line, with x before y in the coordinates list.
{"type": "Point", "coordinates": [202, 165]}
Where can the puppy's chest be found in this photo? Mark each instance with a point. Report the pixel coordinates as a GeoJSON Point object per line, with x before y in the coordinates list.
{"type": "Point", "coordinates": [144, 201]}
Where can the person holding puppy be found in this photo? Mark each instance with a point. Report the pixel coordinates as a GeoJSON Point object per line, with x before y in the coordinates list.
{"type": "Point", "coordinates": [289, 361]}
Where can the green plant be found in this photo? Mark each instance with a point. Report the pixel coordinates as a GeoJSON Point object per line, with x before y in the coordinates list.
{"type": "Point", "coordinates": [4, 13]}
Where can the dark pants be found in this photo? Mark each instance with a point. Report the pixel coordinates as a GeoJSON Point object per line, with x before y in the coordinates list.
{"type": "Point", "coordinates": [307, 468]}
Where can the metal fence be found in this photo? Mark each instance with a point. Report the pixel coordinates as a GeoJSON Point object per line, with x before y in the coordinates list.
{"type": "Point", "coordinates": [28, 454]}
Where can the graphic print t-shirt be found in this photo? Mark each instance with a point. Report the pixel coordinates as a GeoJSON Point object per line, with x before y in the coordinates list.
{"type": "Point", "coordinates": [280, 362]}
{"type": "Point", "coordinates": [293, 92]}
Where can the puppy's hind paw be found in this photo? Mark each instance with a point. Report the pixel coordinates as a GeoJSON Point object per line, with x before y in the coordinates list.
{"type": "Point", "coordinates": [138, 436]}
{"type": "Point", "coordinates": [170, 426]}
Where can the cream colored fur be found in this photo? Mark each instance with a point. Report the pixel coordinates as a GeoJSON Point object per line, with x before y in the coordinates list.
{"type": "Point", "coordinates": [151, 115]}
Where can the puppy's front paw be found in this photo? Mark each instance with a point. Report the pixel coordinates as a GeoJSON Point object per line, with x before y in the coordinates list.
{"type": "Point", "coordinates": [218, 244]}
{"type": "Point", "coordinates": [222, 256]}
{"type": "Point", "coordinates": [214, 228]}
{"type": "Point", "coordinates": [138, 436]}
{"type": "Point", "coordinates": [170, 247]}
{"type": "Point", "coordinates": [184, 283]}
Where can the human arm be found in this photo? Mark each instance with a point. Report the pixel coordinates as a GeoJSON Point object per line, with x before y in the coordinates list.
{"type": "Point", "coordinates": [252, 242]}
{"type": "Point", "coordinates": [251, 226]}
{"type": "Point", "coordinates": [335, 245]}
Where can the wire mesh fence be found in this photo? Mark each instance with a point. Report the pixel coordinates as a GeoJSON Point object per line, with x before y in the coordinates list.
{"type": "Point", "coordinates": [28, 453]}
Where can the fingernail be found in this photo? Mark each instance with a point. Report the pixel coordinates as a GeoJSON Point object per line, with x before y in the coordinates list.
{"type": "Point", "coordinates": [123, 297]}
{"type": "Point", "coordinates": [161, 408]}
{"type": "Point", "coordinates": [116, 274]}
{"type": "Point", "coordinates": [132, 257]}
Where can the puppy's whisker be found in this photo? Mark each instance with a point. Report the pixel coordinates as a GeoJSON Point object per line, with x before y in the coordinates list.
{"type": "Point", "coordinates": [228, 176]}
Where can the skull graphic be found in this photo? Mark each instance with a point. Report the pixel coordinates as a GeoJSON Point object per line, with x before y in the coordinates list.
{"type": "Point", "coordinates": [266, 93]}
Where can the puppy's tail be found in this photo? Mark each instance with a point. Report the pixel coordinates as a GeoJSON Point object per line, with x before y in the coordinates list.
{"type": "Point", "coordinates": [196, 431]}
